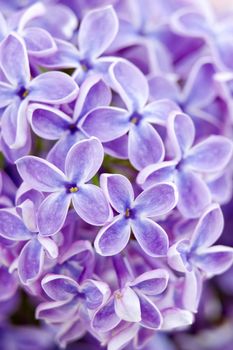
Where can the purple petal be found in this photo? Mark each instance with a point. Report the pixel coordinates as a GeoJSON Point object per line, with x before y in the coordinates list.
{"type": "Point", "coordinates": [84, 160]}
{"type": "Point", "coordinates": [14, 60]}
{"type": "Point", "coordinates": [106, 123]}
{"type": "Point", "coordinates": [151, 282]}
{"type": "Point", "coordinates": [127, 306]}
{"type": "Point", "coordinates": [40, 174]}
{"type": "Point", "coordinates": [131, 84]}
{"type": "Point", "coordinates": [53, 87]}
{"type": "Point", "coordinates": [210, 155]}
{"type": "Point", "coordinates": [118, 190]}
{"type": "Point", "coordinates": [57, 311]}
{"type": "Point", "coordinates": [117, 148]}
{"type": "Point", "coordinates": [151, 237]}
{"type": "Point", "coordinates": [52, 213]}
{"type": "Point", "coordinates": [39, 42]}
{"type": "Point", "coordinates": [121, 338]}
{"type": "Point", "coordinates": [194, 195]}
{"type": "Point", "coordinates": [156, 173]}
{"type": "Point", "coordinates": [113, 238]}
{"type": "Point", "coordinates": [151, 316]}
{"type": "Point", "coordinates": [105, 318]}
{"type": "Point", "coordinates": [189, 22]}
{"type": "Point", "coordinates": [209, 227]}
{"type": "Point", "coordinates": [12, 227]}
{"type": "Point", "coordinates": [145, 145]}
{"type": "Point", "coordinates": [91, 205]}
{"type": "Point", "coordinates": [157, 200]}
{"type": "Point", "coordinates": [181, 132]}
{"type": "Point", "coordinates": [8, 284]}
{"type": "Point", "coordinates": [157, 112]}
{"type": "Point", "coordinates": [48, 122]}
{"type": "Point", "coordinates": [31, 260]}
{"type": "Point", "coordinates": [7, 93]}
{"type": "Point", "coordinates": [214, 260]}
{"type": "Point", "coordinates": [162, 88]}
{"type": "Point", "coordinates": [70, 331]}
{"type": "Point", "coordinates": [97, 31]}
{"type": "Point", "coordinates": [96, 293]}
{"type": "Point", "coordinates": [59, 287]}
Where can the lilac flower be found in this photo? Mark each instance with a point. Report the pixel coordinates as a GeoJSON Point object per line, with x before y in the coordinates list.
{"type": "Point", "coordinates": [209, 156]}
{"type": "Point", "coordinates": [51, 87]}
{"type": "Point", "coordinates": [97, 31]}
{"type": "Point", "coordinates": [8, 284]}
{"type": "Point", "coordinates": [82, 163]}
{"type": "Point", "coordinates": [198, 252]}
{"type": "Point", "coordinates": [53, 124]}
{"type": "Point", "coordinates": [132, 303]}
{"type": "Point", "coordinates": [135, 214]}
{"type": "Point", "coordinates": [109, 123]}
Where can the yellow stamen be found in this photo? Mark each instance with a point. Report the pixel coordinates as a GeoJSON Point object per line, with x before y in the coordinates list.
{"type": "Point", "coordinates": [26, 93]}
{"type": "Point", "coordinates": [134, 120]}
{"type": "Point", "coordinates": [73, 189]}
{"type": "Point", "coordinates": [127, 213]}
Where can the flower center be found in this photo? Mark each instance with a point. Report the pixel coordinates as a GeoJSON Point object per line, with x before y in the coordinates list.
{"type": "Point", "coordinates": [135, 118]}
{"type": "Point", "coordinates": [71, 188]}
{"type": "Point", "coordinates": [22, 92]}
{"type": "Point", "coordinates": [73, 128]}
{"type": "Point", "coordinates": [85, 65]}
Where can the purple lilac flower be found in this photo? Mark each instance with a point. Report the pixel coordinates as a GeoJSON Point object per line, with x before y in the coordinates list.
{"type": "Point", "coordinates": [82, 163]}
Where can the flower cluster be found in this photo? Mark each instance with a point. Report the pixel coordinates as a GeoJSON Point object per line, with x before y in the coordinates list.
{"type": "Point", "coordinates": [116, 160]}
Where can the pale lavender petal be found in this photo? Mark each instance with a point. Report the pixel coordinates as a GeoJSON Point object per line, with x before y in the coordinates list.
{"type": "Point", "coordinates": [105, 318]}
{"type": "Point", "coordinates": [151, 237]}
{"type": "Point", "coordinates": [40, 174]}
{"type": "Point", "coordinates": [53, 87]}
{"type": "Point", "coordinates": [118, 191]}
{"type": "Point", "coordinates": [7, 93]}
{"type": "Point", "coordinates": [194, 195]}
{"type": "Point", "coordinates": [97, 31]}
{"type": "Point", "coordinates": [39, 42]}
{"type": "Point", "coordinates": [96, 293]}
{"type": "Point", "coordinates": [157, 200]}
{"type": "Point", "coordinates": [175, 318]}
{"type": "Point", "coordinates": [151, 282]}
{"type": "Point", "coordinates": [106, 123]}
{"type": "Point", "coordinates": [57, 311]}
{"type": "Point", "coordinates": [209, 227]}
{"type": "Point", "coordinates": [161, 87]}
{"type": "Point", "coordinates": [71, 331]}
{"type": "Point", "coordinates": [48, 122]}
{"type": "Point", "coordinates": [22, 127]}
{"type": "Point", "coordinates": [131, 84]}
{"type": "Point", "coordinates": [113, 238]}
{"type": "Point", "coordinates": [8, 284]}
{"type": "Point", "coordinates": [30, 261]}
{"type": "Point", "coordinates": [156, 173]}
{"type": "Point", "coordinates": [127, 306]}
{"type": "Point", "coordinates": [49, 246]}
{"type": "Point", "coordinates": [52, 213]}
{"type": "Point", "coordinates": [157, 112]}
{"type": "Point", "coordinates": [145, 145]}
{"type": "Point", "coordinates": [214, 260]}
{"type": "Point", "coordinates": [84, 160]}
{"type": "Point", "coordinates": [117, 148]}
{"type": "Point", "coordinates": [210, 155]}
{"type": "Point", "coordinates": [14, 60]}
{"type": "Point", "coordinates": [91, 205]}
{"type": "Point", "coordinates": [151, 316]}
{"type": "Point", "coordinates": [12, 227]}
{"type": "Point", "coordinates": [120, 339]}
{"type": "Point", "coordinates": [181, 132]}
{"type": "Point", "coordinates": [59, 287]}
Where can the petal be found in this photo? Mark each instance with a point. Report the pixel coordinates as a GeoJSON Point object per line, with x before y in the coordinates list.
{"type": "Point", "coordinates": [12, 227]}
{"type": "Point", "coordinates": [209, 228]}
{"type": "Point", "coordinates": [106, 123]}
{"type": "Point", "coordinates": [151, 237]}
{"type": "Point", "coordinates": [117, 148]}
{"type": "Point", "coordinates": [105, 318]}
{"type": "Point", "coordinates": [31, 260]}
{"type": "Point", "coordinates": [8, 284]}
{"type": "Point", "coordinates": [40, 174]}
{"type": "Point", "coordinates": [145, 145]}
{"type": "Point", "coordinates": [214, 260]}
{"type": "Point", "coordinates": [130, 83]}
{"type": "Point", "coordinates": [194, 195]}
{"type": "Point", "coordinates": [151, 316]}
{"type": "Point", "coordinates": [48, 122]}
{"type": "Point", "coordinates": [151, 282]}
{"type": "Point", "coordinates": [156, 173]}
{"type": "Point", "coordinates": [113, 238]}
{"type": "Point", "coordinates": [59, 287]}
{"type": "Point", "coordinates": [57, 311]}
{"type": "Point", "coordinates": [91, 205]}
{"type": "Point", "coordinates": [22, 128]}
{"type": "Point", "coordinates": [181, 132]}
{"type": "Point", "coordinates": [49, 246]}
{"type": "Point", "coordinates": [53, 87]}
{"type": "Point", "coordinates": [39, 42]}
{"type": "Point", "coordinates": [174, 318]}
{"type": "Point", "coordinates": [118, 191]}
{"type": "Point", "coordinates": [96, 293]}
{"type": "Point", "coordinates": [210, 155]}
{"type": "Point", "coordinates": [52, 213]}
{"type": "Point", "coordinates": [162, 87]}
{"type": "Point", "coordinates": [14, 60]}
{"type": "Point", "coordinates": [127, 306]}
{"type": "Point", "coordinates": [120, 339]}
{"type": "Point", "coordinates": [157, 112]}
{"type": "Point", "coordinates": [7, 93]}
{"type": "Point", "coordinates": [97, 31]}
{"type": "Point", "coordinates": [70, 331]}
{"type": "Point", "coordinates": [84, 160]}
{"type": "Point", "coordinates": [157, 200]}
